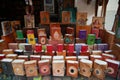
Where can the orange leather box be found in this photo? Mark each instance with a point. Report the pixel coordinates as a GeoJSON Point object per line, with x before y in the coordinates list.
{"type": "Point", "coordinates": [72, 68]}
{"type": "Point", "coordinates": [31, 68]}
{"type": "Point", "coordinates": [99, 69]}
{"type": "Point", "coordinates": [85, 67]}
{"type": "Point", "coordinates": [55, 31]}
{"type": "Point", "coordinates": [44, 17]}
{"type": "Point", "coordinates": [44, 67]}
{"type": "Point", "coordinates": [65, 17]}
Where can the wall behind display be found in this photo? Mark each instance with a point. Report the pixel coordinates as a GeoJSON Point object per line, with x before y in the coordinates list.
{"type": "Point", "coordinates": [82, 6]}
{"type": "Point", "coordinates": [110, 13]}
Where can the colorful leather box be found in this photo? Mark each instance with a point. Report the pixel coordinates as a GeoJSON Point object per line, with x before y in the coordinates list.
{"type": "Point", "coordinates": [84, 48]}
{"type": "Point", "coordinates": [12, 56]}
{"type": "Point", "coordinates": [72, 68]}
{"type": "Point", "coordinates": [31, 68]}
{"type": "Point", "coordinates": [7, 66]}
{"type": "Point", "coordinates": [8, 51]}
{"type": "Point", "coordinates": [49, 48]}
{"type": "Point", "coordinates": [31, 37]}
{"type": "Point", "coordinates": [28, 47]}
{"type": "Point", "coordinates": [58, 67]}
{"type": "Point", "coordinates": [18, 52]}
{"type": "Point", "coordinates": [6, 28]}
{"type": "Point", "coordinates": [55, 43]}
{"type": "Point", "coordinates": [70, 48]}
{"type": "Point", "coordinates": [60, 47]}
{"type": "Point", "coordinates": [113, 67]}
{"type": "Point", "coordinates": [25, 30]}
{"type": "Point", "coordinates": [97, 22]}
{"type": "Point", "coordinates": [42, 39]}
{"type": "Point", "coordinates": [86, 27]}
{"type": "Point", "coordinates": [78, 48]}
{"type": "Point", "coordinates": [100, 68]}
{"type": "Point", "coordinates": [85, 67]}
{"type": "Point", "coordinates": [68, 39]}
{"type": "Point", "coordinates": [44, 17]}
{"type": "Point", "coordinates": [19, 34]}
{"type": "Point", "coordinates": [91, 39]}
{"type": "Point", "coordinates": [44, 67]}
{"type": "Point", "coordinates": [18, 67]}
{"type": "Point", "coordinates": [29, 21]}
{"type": "Point", "coordinates": [13, 46]}
{"type": "Point", "coordinates": [83, 34]}
{"type": "Point", "coordinates": [35, 57]}
{"type": "Point", "coordinates": [81, 18]}
{"type": "Point", "coordinates": [103, 47]}
{"type": "Point", "coordinates": [55, 31]}
{"type": "Point", "coordinates": [25, 57]}
{"type": "Point", "coordinates": [65, 17]}
{"type": "Point", "coordinates": [38, 47]}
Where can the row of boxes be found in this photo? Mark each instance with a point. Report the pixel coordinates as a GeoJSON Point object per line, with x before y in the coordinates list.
{"type": "Point", "coordinates": [59, 47]}
{"type": "Point", "coordinates": [59, 66]}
